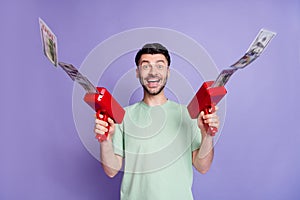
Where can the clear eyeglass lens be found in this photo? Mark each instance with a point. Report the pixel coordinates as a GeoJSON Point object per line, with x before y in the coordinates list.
{"type": "Point", "coordinates": [147, 67]}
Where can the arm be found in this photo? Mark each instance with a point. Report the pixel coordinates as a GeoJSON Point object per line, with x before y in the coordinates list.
{"type": "Point", "coordinates": [111, 162]}
{"type": "Point", "coordinates": [203, 157]}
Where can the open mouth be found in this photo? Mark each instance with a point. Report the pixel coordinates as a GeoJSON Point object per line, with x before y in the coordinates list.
{"type": "Point", "coordinates": [153, 82]}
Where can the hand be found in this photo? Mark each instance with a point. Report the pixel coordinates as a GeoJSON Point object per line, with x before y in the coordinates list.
{"type": "Point", "coordinates": [101, 127]}
{"type": "Point", "coordinates": [211, 120]}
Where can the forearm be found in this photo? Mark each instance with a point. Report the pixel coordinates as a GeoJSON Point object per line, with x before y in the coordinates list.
{"type": "Point", "coordinates": [111, 162]}
{"type": "Point", "coordinates": [203, 157]}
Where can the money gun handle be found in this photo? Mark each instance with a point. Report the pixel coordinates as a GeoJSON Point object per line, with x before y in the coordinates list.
{"type": "Point", "coordinates": [103, 117]}
{"type": "Point", "coordinates": [210, 130]}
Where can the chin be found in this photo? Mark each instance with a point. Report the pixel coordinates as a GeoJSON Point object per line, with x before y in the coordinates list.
{"type": "Point", "coordinates": [156, 92]}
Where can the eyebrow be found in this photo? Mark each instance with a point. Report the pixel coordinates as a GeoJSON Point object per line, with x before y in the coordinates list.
{"type": "Point", "coordinates": [147, 61]}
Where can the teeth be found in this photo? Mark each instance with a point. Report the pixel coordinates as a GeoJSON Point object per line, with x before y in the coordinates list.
{"type": "Point", "coordinates": [153, 80]}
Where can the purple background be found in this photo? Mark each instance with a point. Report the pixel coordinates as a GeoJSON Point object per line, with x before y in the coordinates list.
{"type": "Point", "coordinates": [41, 155]}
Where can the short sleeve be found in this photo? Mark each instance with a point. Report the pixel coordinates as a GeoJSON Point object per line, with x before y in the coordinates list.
{"type": "Point", "coordinates": [118, 140]}
{"type": "Point", "coordinates": [196, 135]}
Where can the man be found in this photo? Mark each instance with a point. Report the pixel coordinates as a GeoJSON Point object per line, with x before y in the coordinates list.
{"type": "Point", "coordinates": [157, 139]}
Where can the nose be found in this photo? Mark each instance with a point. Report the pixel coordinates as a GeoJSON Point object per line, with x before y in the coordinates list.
{"type": "Point", "coordinates": [153, 70]}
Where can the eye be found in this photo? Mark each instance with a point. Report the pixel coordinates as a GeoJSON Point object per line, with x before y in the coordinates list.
{"type": "Point", "coordinates": [145, 67]}
{"type": "Point", "coordinates": [160, 67]}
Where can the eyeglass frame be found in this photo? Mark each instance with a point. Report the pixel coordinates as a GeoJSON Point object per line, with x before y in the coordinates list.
{"type": "Point", "coordinates": [157, 65]}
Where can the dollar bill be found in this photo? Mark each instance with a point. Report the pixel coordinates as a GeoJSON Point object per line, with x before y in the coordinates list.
{"type": "Point", "coordinates": [49, 41]}
{"type": "Point", "coordinates": [256, 48]}
{"type": "Point", "coordinates": [76, 76]}
{"type": "Point", "coordinates": [223, 77]}
{"type": "Point", "coordinates": [261, 41]}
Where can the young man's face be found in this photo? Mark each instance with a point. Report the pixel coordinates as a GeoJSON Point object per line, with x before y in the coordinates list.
{"type": "Point", "coordinates": [153, 72]}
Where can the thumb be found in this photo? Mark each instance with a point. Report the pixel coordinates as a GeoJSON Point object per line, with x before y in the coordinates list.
{"type": "Point", "coordinates": [201, 115]}
{"type": "Point", "coordinates": [110, 121]}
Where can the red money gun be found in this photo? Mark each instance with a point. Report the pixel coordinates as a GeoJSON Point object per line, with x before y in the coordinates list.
{"type": "Point", "coordinates": [205, 100]}
{"type": "Point", "coordinates": [104, 104]}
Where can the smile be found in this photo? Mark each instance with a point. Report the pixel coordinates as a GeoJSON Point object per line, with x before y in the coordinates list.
{"type": "Point", "coordinates": [153, 80]}
{"type": "Point", "coordinates": [153, 83]}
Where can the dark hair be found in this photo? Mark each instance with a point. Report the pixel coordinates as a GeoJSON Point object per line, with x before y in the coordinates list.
{"type": "Point", "coordinates": [153, 48]}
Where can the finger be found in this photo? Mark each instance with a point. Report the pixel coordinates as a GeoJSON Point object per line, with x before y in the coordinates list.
{"type": "Point", "coordinates": [97, 131]}
{"type": "Point", "coordinates": [110, 121]}
{"type": "Point", "coordinates": [213, 109]}
{"type": "Point", "coordinates": [211, 119]}
{"type": "Point", "coordinates": [209, 116]}
{"type": "Point", "coordinates": [101, 128]}
{"type": "Point", "coordinates": [216, 108]}
{"type": "Point", "coordinates": [201, 115]}
{"type": "Point", "coordinates": [101, 122]}
{"type": "Point", "coordinates": [214, 125]}
{"type": "Point", "coordinates": [214, 122]}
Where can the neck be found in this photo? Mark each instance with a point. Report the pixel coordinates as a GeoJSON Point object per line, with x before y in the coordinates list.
{"type": "Point", "coordinates": [155, 100]}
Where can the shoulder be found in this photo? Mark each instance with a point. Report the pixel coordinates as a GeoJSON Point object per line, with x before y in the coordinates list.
{"type": "Point", "coordinates": [175, 105]}
{"type": "Point", "coordinates": [133, 106]}
{"type": "Point", "coordinates": [135, 109]}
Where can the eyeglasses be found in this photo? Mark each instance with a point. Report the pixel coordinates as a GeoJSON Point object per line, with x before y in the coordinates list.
{"type": "Point", "coordinates": [148, 66]}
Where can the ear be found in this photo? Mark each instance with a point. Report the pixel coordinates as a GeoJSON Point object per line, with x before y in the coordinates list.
{"type": "Point", "coordinates": [168, 73]}
{"type": "Point", "coordinates": [137, 73]}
